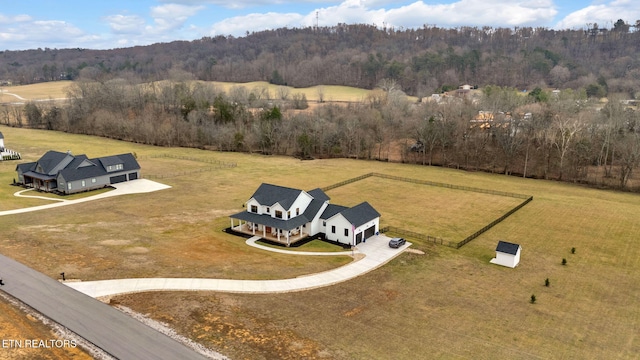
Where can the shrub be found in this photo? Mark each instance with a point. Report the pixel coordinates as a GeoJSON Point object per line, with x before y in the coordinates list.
{"type": "Point", "coordinates": [564, 261]}
{"type": "Point", "coordinates": [533, 299]}
{"type": "Point", "coordinates": [546, 282]}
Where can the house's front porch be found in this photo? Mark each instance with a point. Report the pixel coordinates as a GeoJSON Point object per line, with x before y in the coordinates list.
{"type": "Point", "coordinates": [284, 237]}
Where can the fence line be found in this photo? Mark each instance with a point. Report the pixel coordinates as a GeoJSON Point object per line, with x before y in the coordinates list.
{"type": "Point", "coordinates": [220, 165]}
{"type": "Point", "coordinates": [434, 239]}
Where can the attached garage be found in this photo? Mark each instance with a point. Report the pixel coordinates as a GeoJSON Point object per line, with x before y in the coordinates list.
{"type": "Point", "coordinates": [370, 232]}
{"type": "Point", "coordinates": [133, 176]}
{"type": "Point", "coordinates": [118, 179]}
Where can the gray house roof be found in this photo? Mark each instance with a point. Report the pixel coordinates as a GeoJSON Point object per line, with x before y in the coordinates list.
{"type": "Point", "coordinates": [507, 247]}
{"type": "Point", "coordinates": [332, 210]}
{"type": "Point", "coordinates": [49, 161]}
{"type": "Point", "coordinates": [83, 168]}
{"type": "Point", "coordinates": [267, 220]}
{"type": "Point", "coordinates": [268, 194]}
{"type": "Point", "coordinates": [360, 214]}
{"type": "Point", "coordinates": [1, 136]}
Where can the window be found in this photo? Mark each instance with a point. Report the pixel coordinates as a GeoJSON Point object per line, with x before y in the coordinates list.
{"type": "Point", "coordinates": [324, 223]}
{"type": "Point", "coordinates": [297, 211]}
{"type": "Point", "coordinates": [268, 210]}
{"type": "Point", "coordinates": [254, 209]}
{"type": "Point", "coordinates": [279, 214]}
{"type": "Point", "coordinates": [93, 181]}
{"type": "Point", "coordinates": [346, 232]}
{"type": "Point", "coordinates": [83, 183]}
{"type": "Point", "coordinates": [69, 186]}
{"type": "Point", "coordinates": [288, 214]}
{"type": "Point", "coordinates": [333, 229]}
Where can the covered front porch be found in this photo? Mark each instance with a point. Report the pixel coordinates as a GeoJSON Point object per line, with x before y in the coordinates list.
{"type": "Point", "coordinates": [40, 182]}
{"type": "Point", "coordinates": [270, 233]}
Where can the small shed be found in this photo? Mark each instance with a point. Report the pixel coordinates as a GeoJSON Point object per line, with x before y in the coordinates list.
{"type": "Point", "coordinates": [507, 254]}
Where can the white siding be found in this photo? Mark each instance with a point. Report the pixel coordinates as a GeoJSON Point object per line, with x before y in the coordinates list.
{"type": "Point", "coordinates": [316, 223]}
{"type": "Point", "coordinates": [341, 223]}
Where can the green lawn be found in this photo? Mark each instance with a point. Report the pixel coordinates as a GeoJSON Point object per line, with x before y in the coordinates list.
{"type": "Point", "coordinates": [446, 303]}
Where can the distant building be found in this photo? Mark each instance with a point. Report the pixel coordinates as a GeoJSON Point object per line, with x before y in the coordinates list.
{"type": "Point", "coordinates": [507, 254]}
{"type": "Point", "coordinates": [65, 173]}
{"type": "Point", "coordinates": [7, 154]}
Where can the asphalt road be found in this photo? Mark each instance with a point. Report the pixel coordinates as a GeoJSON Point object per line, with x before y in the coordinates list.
{"type": "Point", "coordinates": [109, 329]}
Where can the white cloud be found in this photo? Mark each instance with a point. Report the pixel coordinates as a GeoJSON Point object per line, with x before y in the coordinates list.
{"type": "Point", "coordinates": [125, 24]}
{"type": "Point", "coordinates": [172, 16]}
{"type": "Point", "coordinates": [605, 14]}
{"type": "Point", "coordinates": [495, 13]}
{"type": "Point", "coordinates": [239, 25]}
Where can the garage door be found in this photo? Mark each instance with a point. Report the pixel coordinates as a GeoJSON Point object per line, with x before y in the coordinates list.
{"type": "Point", "coordinates": [358, 238]}
{"type": "Point", "coordinates": [370, 232]}
{"type": "Point", "coordinates": [118, 179]}
{"type": "Point", "coordinates": [133, 176]}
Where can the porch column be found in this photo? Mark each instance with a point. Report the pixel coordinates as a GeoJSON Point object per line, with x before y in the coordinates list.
{"type": "Point", "coordinates": [278, 232]}
{"type": "Point", "coordinates": [264, 231]}
{"type": "Point", "coordinates": [253, 227]}
{"type": "Point", "coordinates": [231, 223]}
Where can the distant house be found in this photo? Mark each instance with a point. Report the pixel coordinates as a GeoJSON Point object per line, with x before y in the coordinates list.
{"type": "Point", "coordinates": [287, 215]}
{"type": "Point", "coordinates": [1, 141]}
{"type": "Point", "coordinates": [507, 254]}
{"type": "Point", "coordinates": [65, 173]}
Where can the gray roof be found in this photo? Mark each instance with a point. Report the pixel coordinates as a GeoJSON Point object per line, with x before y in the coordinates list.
{"type": "Point", "coordinates": [360, 214]}
{"type": "Point", "coordinates": [318, 194]}
{"type": "Point", "coordinates": [74, 171]}
{"type": "Point", "coordinates": [268, 194]}
{"type": "Point", "coordinates": [1, 136]}
{"type": "Point", "coordinates": [50, 160]}
{"type": "Point", "coordinates": [267, 220]}
{"type": "Point", "coordinates": [507, 247]}
{"type": "Point", "coordinates": [332, 210]}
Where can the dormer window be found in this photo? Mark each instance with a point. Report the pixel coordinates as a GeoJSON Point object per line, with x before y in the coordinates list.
{"type": "Point", "coordinates": [288, 214]}
{"type": "Point", "coordinates": [254, 209]}
{"type": "Point", "coordinates": [268, 210]}
{"type": "Point", "coordinates": [279, 214]}
{"type": "Point", "coordinates": [115, 167]}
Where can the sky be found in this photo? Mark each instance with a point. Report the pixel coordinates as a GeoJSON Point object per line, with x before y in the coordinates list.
{"type": "Point", "coordinates": [102, 24]}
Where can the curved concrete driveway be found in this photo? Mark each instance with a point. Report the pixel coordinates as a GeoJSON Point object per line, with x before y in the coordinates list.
{"type": "Point", "coordinates": [376, 253]}
{"type": "Point", "coordinates": [129, 187]}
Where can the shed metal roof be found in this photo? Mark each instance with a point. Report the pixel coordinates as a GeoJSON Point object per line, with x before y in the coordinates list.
{"type": "Point", "coordinates": [507, 247]}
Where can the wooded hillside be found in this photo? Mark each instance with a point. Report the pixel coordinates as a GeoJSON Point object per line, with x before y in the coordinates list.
{"type": "Point", "coordinates": [422, 61]}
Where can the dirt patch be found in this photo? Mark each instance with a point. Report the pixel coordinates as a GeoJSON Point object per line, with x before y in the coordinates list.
{"type": "Point", "coordinates": [137, 250]}
{"type": "Point", "coordinates": [115, 242]}
{"type": "Point", "coordinates": [415, 251]}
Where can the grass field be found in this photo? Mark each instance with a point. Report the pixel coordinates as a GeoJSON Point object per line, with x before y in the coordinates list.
{"type": "Point", "coordinates": [58, 89]}
{"type": "Point", "coordinates": [446, 303]}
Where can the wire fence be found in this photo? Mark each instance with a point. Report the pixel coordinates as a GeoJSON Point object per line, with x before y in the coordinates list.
{"type": "Point", "coordinates": [217, 166]}
{"type": "Point", "coordinates": [434, 239]}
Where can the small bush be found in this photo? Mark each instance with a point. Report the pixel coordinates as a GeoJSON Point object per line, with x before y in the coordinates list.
{"type": "Point", "coordinates": [573, 250]}
{"type": "Point", "coordinates": [533, 299]}
{"type": "Point", "coordinates": [564, 261]}
{"type": "Point", "coordinates": [546, 282]}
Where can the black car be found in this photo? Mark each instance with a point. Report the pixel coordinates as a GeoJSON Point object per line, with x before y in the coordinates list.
{"type": "Point", "coordinates": [396, 242]}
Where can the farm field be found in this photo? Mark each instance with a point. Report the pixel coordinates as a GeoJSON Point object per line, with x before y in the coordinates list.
{"type": "Point", "coordinates": [58, 89]}
{"type": "Point", "coordinates": [446, 303]}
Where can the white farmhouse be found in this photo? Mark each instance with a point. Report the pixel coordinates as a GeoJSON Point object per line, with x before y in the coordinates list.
{"type": "Point", "coordinates": [287, 215]}
{"type": "Point", "coordinates": [507, 254]}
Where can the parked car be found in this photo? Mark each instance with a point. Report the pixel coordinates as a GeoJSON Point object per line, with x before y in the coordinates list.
{"type": "Point", "coordinates": [396, 242]}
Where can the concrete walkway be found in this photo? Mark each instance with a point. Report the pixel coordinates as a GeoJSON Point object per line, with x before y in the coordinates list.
{"type": "Point", "coordinates": [376, 253]}
{"type": "Point", "coordinates": [129, 187]}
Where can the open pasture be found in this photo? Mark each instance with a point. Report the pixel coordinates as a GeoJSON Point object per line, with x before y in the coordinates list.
{"type": "Point", "coordinates": [446, 303]}
{"type": "Point", "coordinates": [39, 91]}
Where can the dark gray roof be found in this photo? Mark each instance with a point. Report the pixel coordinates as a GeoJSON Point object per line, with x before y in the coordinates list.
{"type": "Point", "coordinates": [360, 214]}
{"type": "Point", "coordinates": [318, 194]}
{"type": "Point", "coordinates": [74, 172]}
{"type": "Point", "coordinates": [332, 210]}
{"type": "Point", "coordinates": [26, 167]}
{"type": "Point", "coordinates": [267, 220]}
{"type": "Point", "coordinates": [50, 160]}
{"type": "Point", "coordinates": [268, 194]}
{"type": "Point", "coordinates": [1, 136]}
{"type": "Point", "coordinates": [312, 209]}
{"type": "Point", "coordinates": [507, 247]}
{"type": "Point", "coordinates": [110, 160]}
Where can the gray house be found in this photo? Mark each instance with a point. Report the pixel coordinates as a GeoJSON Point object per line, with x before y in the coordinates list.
{"type": "Point", "coordinates": [68, 174]}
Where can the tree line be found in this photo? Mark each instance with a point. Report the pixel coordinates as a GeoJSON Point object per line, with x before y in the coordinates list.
{"type": "Point", "coordinates": [422, 61]}
{"type": "Point", "coordinates": [563, 135]}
